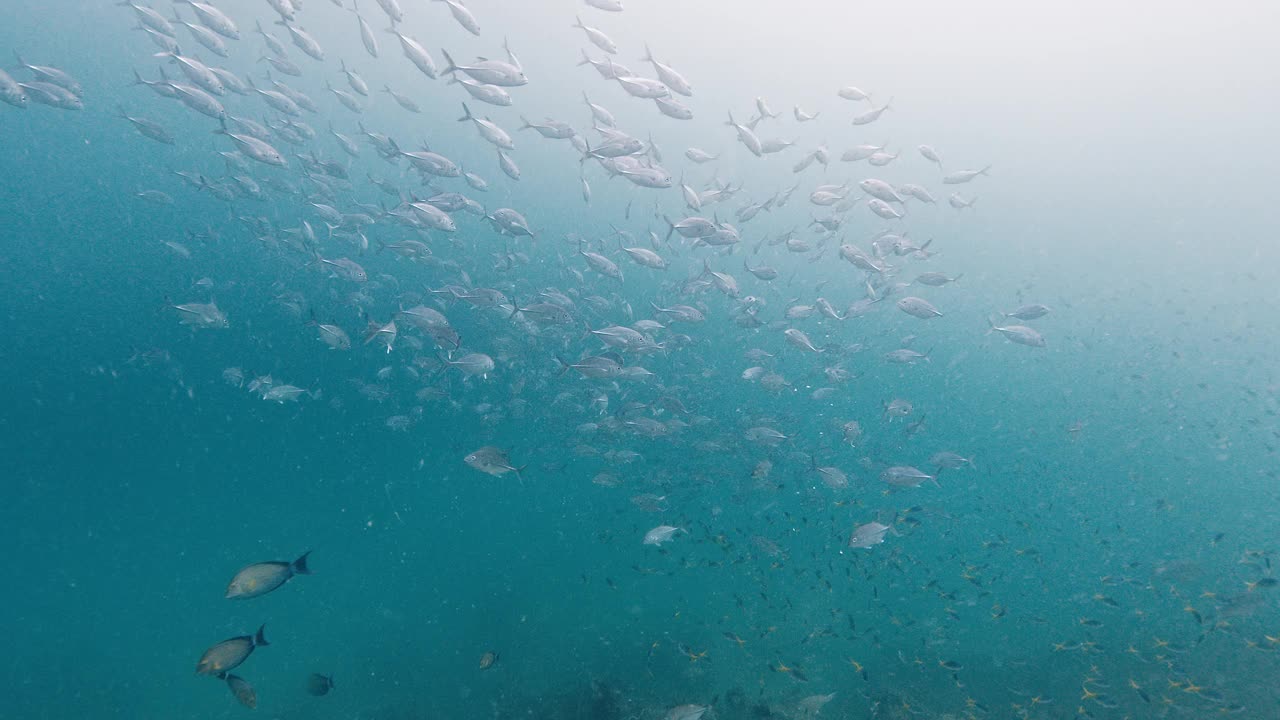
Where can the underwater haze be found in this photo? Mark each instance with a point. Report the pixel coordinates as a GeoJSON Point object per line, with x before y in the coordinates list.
{"type": "Point", "coordinates": [639, 360]}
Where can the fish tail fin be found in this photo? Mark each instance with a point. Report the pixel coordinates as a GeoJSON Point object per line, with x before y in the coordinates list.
{"type": "Point", "coordinates": [258, 24]}
{"type": "Point", "coordinates": [137, 78]}
{"type": "Point", "coordinates": [450, 66]}
{"type": "Point", "coordinates": [985, 171]}
{"type": "Point", "coordinates": [564, 366]}
{"type": "Point", "coordinates": [671, 227]}
{"type": "Point", "coordinates": [466, 114]}
{"type": "Point", "coordinates": [526, 124]}
{"type": "Point", "coordinates": [260, 639]}
{"type": "Point", "coordinates": [648, 56]}
{"type": "Point", "coordinates": [17, 56]}
{"type": "Point", "coordinates": [300, 565]}
{"type": "Point", "coordinates": [584, 61]}
{"type": "Point", "coordinates": [577, 22]}
{"type": "Point", "coordinates": [893, 523]}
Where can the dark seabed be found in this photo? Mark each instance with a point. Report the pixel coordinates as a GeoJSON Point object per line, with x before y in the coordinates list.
{"type": "Point", "coordinates": [1077, 503]}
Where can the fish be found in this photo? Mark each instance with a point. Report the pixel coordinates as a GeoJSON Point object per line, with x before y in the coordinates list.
{"type": "Point", "coordinates": [241, 690]}
{"type": "Point", "coordinates": [1019, 334]}
{"type": "Point", "coordinates": [813, 704]}
{"type": "Point", "coordinates": [905, 476]}
{"type": "Point", "coordinates": [209, 39]}
{"type": "Point", "coordinates": [492, 461]}
{"type": "Point", "coordinates": [947, 460]}
{"type": "Point", "coordinates": [52, 95]}
{"type": "Point", "coordinates": [145, 127]}
{"type": "Point", "coordinates": [252, 147]}
{"type": "Point", "coordinates": [868, 535]}
{"type": "Point", "coordinates": [659, 535]}
{"type": "Point", "coordinates": [936, 279]}
{"type": "Point", "coordinates": [214, 19]}
{"type": "Point", "coordinates": [667, 75]}
{"type": "Point", "coordinates": [200, 315]}
{"type": "Point", "coordinates": [597, 37]}
{"type": "Point", "coordinates": [303, 40]}
{"type": "Point", "coordinates": [928, 153]}
{"type": "Point", "coordinates": [687, 712]}
{"type": "Point", "coordinates": [382, 334]}
{"type": "Point", "coordinates": [487, 72]}
{"type": "Point", "coordinates": [367, 36]}
{"type": "Point", "coordinates": [852, 93]}
{"type": "Point", "coordinates": [229, 654]}
{"type": "Point", "coordinates": [12, 93]}
{"type": "Point", "coordinates": [261, 578]}
{"type": "Point", "coordinates": [1028, 312]}
{"type": "Point", "coordinates": [473, 365]}
{"type": "Point", "coordinates": [964, 176]}
{"type": "Point", "coordinates": [463, 16]}
{"type": "Point", "coordinates": [417, 54]}
{"type": "Point", "coordinates": [869, 116]}
{"type": "Point", "coordinates": [918, 307]}
{"type": "Point", "coordinates": [799, 339]}
{"type": "Point", "coordinates": [488, 130]}
{"type": "Point", "coordinates": [52, 76]}
{"type": "Point", "coordinates": [319, 685]}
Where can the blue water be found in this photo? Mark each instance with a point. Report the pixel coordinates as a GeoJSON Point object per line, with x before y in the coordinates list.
{"type": "Point", "coordinates": [1107, 555]}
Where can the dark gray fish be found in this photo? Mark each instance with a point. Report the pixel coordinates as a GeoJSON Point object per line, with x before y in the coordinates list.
{"type": "Point", "coordinates": [242, 691]}
{"type": "Point", "coordinates": [261, 578]}
{"type": "Point", "coordinates": [318, 684]}
{"type": "Point", "coordinates": [229, 654]}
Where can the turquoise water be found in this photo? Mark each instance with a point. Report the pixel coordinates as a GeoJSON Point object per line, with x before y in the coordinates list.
{"type": "Point", "coordinates": [1108, 553]}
